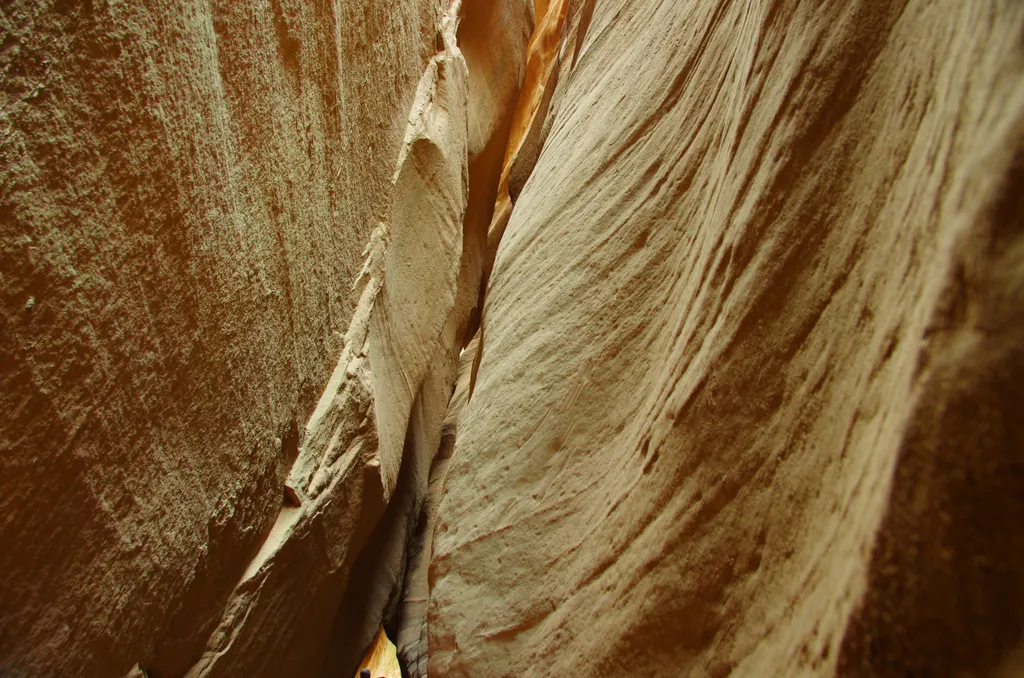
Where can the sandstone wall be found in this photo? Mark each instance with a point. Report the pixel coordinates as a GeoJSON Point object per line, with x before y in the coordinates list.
{"type": "Point", "coordinates": [745, 397]}
{"type": "Point", "coordinates": [749, 393]}
{"type": "Point", "coordinates": [185, 195]}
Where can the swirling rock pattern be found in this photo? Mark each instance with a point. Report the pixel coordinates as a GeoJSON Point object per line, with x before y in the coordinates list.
{"type": "Point", "coordinates": [749, 394]}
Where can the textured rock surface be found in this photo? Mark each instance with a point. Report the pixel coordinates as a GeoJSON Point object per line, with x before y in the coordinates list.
{"type": "Point", "coordinates": [745, 397]}
{"type": "Point", "coordinates": [749, 396]}
{"type": "Point", "coordinates": [185, 195]}
{"type": "Point", "coordinates": [411, 341]}
{"type": "Point", "coordinates": [330, 573]}
{"type": "Point", "coordinates": [411, 629]}
{"type": "Point", "coordinates": [423, 240]}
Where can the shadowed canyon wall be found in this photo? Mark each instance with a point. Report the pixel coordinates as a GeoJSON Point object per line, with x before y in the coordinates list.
{"type": "Point", "coordinates": [730, 296]}
{"type": "Point", "coordinates": [215, 218]}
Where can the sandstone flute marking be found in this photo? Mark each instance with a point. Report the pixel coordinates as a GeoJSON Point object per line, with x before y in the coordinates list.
{"type": "Point", "coordinates": [754, 212]}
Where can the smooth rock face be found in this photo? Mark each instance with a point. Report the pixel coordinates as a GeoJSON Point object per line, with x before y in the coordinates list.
{"type": "Point", "coordinates": [186, 191]}
{"type": "Point", "coordinates": [750, 386]}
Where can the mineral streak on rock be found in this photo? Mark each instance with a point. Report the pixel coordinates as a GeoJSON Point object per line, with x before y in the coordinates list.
{"type": "Point", "coordinates": [541, 61]}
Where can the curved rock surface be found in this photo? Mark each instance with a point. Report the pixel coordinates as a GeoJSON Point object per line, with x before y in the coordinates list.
{"type": "Point", "coordinates": [749, 396]}
{"type": "Point", "coordinates": [730, 297]}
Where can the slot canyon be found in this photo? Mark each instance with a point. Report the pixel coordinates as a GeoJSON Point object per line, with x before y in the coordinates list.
{"type": "Point", "coordinates": [508, 338]}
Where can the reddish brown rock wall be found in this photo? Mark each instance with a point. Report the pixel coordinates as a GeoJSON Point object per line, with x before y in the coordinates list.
{"type": "Point", "coordinates": [185, 194]}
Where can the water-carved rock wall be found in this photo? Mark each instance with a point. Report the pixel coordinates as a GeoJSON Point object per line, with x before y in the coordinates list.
{"type": "Point", "coordinates": [209, 207]}
{"type": "Point", "coordinates": [729, 295]}
{"type": "Point", "coordinates": [749, 393]}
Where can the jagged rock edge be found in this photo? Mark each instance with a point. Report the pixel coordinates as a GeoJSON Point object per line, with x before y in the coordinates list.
{"type": "Point", "coordinates": [321, 469]}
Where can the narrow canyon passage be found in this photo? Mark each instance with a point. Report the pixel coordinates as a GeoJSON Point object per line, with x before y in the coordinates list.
{"type": "Point", "coordinates": [403, 540]}
{"type": "Point", "coordinates": [573, 337]}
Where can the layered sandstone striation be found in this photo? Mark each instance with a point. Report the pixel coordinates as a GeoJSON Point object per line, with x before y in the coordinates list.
{"type": "Point", "coordinates": [749, 393]}
{"type": "Point", "coordinates": [561, 337]}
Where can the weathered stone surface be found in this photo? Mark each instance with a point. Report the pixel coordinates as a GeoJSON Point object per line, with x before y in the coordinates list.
{"type": "Point", "coordinates": [290, 592]}
{"type": "Point", "coordinates": [749, 394]}
{"type": "Point", "coordinates": [411, 343]}
{"type": "Point", "coordinates": [745, 391]}
{"type": "Point", "coordinates": [542, 58]}
{"type": "Point", "coordinates": [493, 36]}
{"type": "Point", "coordinates": [424, 251]}
{"type": "Point", "coordinates": [330, 574]}
{"type": "Point", "coordinates": [185, 195]}
{"type": "Point", "coordinates": [425, 309]}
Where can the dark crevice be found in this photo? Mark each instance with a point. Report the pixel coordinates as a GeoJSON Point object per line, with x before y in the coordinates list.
{"type": "Point", "coordinates": [376, 579]}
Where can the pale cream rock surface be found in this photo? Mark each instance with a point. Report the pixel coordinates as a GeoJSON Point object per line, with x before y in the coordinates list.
{"type": "Point", "coordinates": [411, 630]}
{"type": "Point", "coordinates": [427, 302]}
{"type": "Point", "coordinates": [749, 396]}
